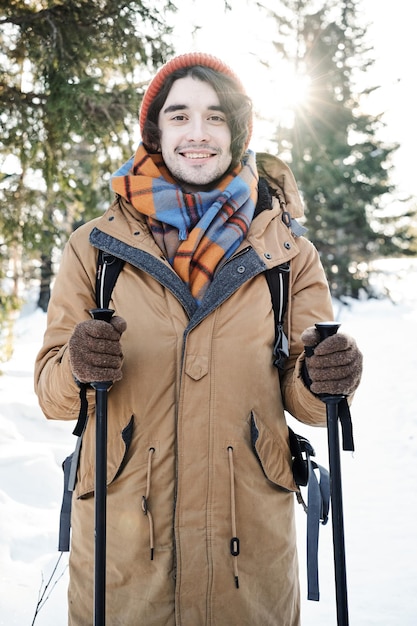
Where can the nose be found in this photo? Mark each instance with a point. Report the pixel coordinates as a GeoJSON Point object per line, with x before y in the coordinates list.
{"type": "Point", "coordinates": [197, 130]}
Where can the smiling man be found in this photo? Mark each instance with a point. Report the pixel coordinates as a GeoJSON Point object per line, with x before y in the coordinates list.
{"type": "Point", "coordinates": [195, 135]}
{"type": "Point", "coordinates": [200, 497]}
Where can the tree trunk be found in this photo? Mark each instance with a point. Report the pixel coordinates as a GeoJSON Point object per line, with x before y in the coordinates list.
{"type": "Point", "coordinates": [46, 278]}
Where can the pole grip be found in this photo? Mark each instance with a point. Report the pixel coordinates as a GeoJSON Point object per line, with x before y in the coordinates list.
{"type": "Point", "coordinates": [102, 314]}
{"type": "Point", "coordinates": [105, 315]}
{"type": "Point", "coordinates": [327, 329]}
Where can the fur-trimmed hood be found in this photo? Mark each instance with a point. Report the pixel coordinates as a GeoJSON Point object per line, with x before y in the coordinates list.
{"type": "Point", "coordinates": [281, 179]}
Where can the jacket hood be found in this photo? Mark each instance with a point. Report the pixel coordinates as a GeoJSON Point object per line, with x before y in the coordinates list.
{"type": "Point", "coordinates": [281, 179]}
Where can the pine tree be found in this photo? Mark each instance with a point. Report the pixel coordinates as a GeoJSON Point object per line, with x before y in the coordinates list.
{"type": "Point", "coordinates": [70, 82]}
{"type": "Point", "coordinates": [341, 165]}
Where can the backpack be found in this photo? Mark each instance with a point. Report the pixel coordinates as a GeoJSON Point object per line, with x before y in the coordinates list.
{"type": "Point", "coordinates": [318, 491]}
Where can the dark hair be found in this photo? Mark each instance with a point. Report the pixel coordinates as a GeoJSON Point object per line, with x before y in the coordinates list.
{"type": "Point", "coordinates": [236, 105]}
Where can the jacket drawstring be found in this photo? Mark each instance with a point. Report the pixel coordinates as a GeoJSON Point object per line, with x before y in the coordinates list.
{"type": "Point", "coordinates": [234, 542]}
{"type": "Point", "coordinates": [145, 507]}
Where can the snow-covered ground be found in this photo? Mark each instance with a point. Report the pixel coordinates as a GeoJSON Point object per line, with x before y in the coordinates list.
{"type": "Point", "coordinates": [379, 479]}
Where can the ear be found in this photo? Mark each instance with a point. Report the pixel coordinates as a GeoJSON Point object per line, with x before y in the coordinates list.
{"type": "Point", "coordinates": [151, 137]}
{"type": "Point", "coordinates": [153, 147]}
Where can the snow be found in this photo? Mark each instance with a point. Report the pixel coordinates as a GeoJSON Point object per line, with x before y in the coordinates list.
{"type": "Point", "coordinates": [379, 478]}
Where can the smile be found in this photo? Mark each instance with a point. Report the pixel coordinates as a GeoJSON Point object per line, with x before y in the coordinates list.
{"type": "Point", "coordinates": [196, 155]}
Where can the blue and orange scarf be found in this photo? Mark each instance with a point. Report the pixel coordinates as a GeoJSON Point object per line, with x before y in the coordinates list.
{"type": "Point", "coordinates": [194, 230]}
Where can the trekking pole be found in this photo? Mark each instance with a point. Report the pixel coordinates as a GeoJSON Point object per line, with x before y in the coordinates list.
{"type": "Point", "coordinates": [100, 488]}
{"type": "Point", "coordinates": [326, 329]}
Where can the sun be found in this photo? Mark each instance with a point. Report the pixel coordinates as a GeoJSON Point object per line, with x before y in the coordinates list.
{"type": "Point", "coordinates": [278, 92]}
{"type": "Point", "coordinates": [298, 89]}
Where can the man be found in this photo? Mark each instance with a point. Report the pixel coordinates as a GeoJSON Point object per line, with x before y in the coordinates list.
{"type": "Point", "coordinates": [200, 520]}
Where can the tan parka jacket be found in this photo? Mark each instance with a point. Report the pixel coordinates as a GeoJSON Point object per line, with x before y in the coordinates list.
{"type": "Point", "coordinates": [200, 527]}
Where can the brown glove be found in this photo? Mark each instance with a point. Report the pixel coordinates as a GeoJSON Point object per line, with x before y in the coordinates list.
{"type": "Point", "coordinates": [95, 352]}
{"type": "Point", "coordinates": [334, 365]}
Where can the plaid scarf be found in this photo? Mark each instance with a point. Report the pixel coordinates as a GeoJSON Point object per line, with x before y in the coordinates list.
{"type": "Point", "coordinates": [195, 230]}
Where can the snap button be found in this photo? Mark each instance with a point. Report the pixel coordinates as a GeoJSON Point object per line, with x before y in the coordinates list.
{"type": "Point", "coordinates": [196, 366]}
{"type": "Point", "coordinates": [287, 245]}
{"type": "Point", "coordinates": [268, 255]}
{"type": "Point", "coordinates": [241, 269]}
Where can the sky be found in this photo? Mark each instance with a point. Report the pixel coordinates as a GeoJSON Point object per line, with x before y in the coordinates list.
{"type": "Point", "coordinates": [392, 33]}
{"type": "Point", "coordinates": [242, 36]}
{"type": "Point", "coordinates": [379, 478]}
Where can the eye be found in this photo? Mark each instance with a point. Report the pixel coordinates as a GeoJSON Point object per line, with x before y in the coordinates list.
{"type": "Point", "coordinates": [180, 117]}
{"type": "Point", "coordinates": [217, 119]}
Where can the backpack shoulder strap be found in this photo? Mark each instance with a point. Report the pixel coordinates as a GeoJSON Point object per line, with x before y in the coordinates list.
{"type": "Point", "coordinates": [303, 467]}
{"type": "Point", "coordinates": [108, 270]}
{"type": "Point", "coordinates": [278, 282]}
{"type": "Point", "coordinates": [278, 279]}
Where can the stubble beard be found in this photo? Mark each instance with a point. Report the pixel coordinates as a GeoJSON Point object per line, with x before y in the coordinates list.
{"type": "Point", "coordinates": [199, 177]}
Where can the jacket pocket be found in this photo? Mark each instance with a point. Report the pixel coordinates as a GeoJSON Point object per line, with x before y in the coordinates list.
{"type": "Point", "coordinates": [117, 450]}
{"type": "Point", "coordinates": [273, 453]}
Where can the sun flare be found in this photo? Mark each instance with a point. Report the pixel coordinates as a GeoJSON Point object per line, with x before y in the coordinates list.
{"type": "Point", "coordinates": [277, 94]}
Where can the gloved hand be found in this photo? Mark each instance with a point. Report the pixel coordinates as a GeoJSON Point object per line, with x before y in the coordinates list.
{"type": "Point", "coordinates": [334, 365]}
{"type": "Point", "coordinates": [95, 352]}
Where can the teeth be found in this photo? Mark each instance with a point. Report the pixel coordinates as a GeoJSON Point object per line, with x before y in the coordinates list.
{"type": "Point", "coordinates": [196, 155]}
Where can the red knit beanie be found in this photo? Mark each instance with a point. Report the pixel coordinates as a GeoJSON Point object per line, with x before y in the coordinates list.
{"type": "Point", "coordinates": [187, 60]}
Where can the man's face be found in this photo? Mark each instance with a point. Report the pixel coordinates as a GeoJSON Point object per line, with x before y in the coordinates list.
{"type": "Point", "coordinates": [195, 136]}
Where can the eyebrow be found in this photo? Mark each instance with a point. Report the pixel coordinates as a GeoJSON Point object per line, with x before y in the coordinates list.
{"type": "Point", "coordinates": [181, 107]}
